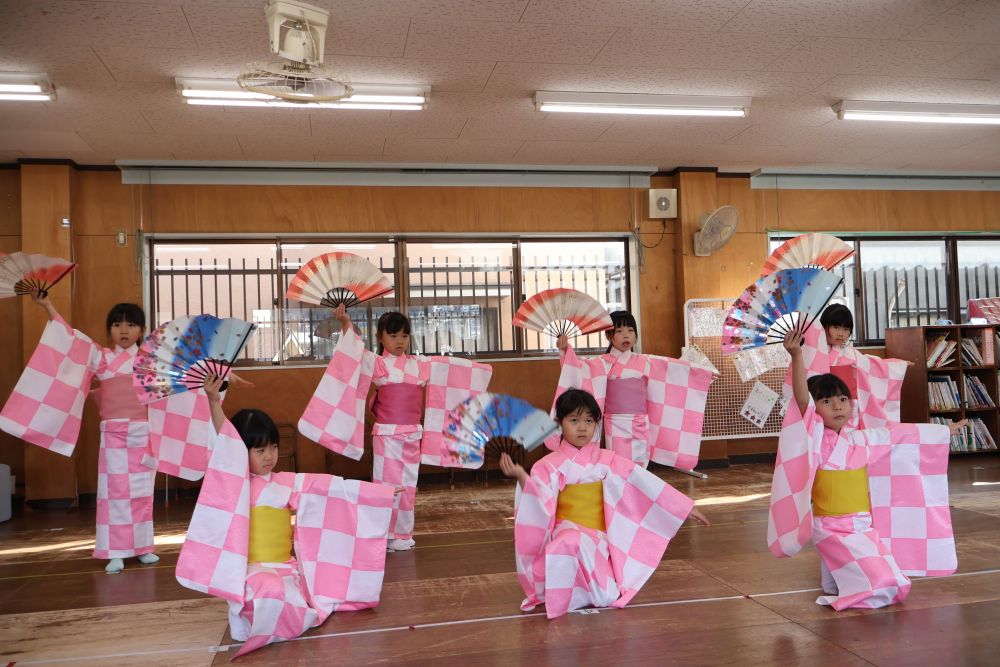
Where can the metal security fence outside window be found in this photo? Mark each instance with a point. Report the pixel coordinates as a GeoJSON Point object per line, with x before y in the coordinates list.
{"type": "Point", "coordinates": [915, 280]}
{"type": "Point", "coordinates": [460, 296]}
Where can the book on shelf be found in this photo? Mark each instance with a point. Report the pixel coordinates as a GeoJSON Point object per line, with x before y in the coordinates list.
{"type": "Point", "coordinates": [970, 353]}
{"type": "Point", "coordinates": [935, 348]}
{"type": "Point", "coordinates": [942, 393]}
{"type": "Point", "coordinates": [976, 395]}
{"type": "Point", "coordinates": [973, 437]}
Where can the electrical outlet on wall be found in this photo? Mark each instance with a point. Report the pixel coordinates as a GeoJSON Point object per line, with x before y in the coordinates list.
{"type": "Point", "coordinates": [122, 238]}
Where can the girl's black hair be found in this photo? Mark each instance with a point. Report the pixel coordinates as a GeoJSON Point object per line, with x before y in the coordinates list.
{"type": "Point", "coordinates": [837, 315]}
{"type": "Point", "coordinates": [255, 427]}
{"type": "Point", "coordinates": [620, 318]}
{"type": "Point", "coordinates": [126, 312]}
{"type": "Point", "coordinates": [572, 400]}
{"type": "Point", "coordinates": [391, 322]}
{"type": "Point", "coordinates": [827, 385]}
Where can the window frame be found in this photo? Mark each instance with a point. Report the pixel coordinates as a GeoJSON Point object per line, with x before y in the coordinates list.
{"type": "Point", "coordinates": [400, 274]}
{"type": "Point", "coordinates": [952, 278]}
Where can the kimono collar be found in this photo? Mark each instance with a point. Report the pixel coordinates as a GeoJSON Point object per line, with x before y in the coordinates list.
{"type": "Point", "coordinates": [572, 452]}
{"type": "Point", "coordinates": [266, 478]}
{"type": "Point", "coordinates": [132, 349]}
{"type": "Point", "coordinates": [619, 355]}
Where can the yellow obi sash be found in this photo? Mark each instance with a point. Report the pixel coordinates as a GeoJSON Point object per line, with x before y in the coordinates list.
{"type": "Point", "coordinates": [837, 492]}
{"type": "Point", "coordinates": [582, 504]}
{"type": "Point", "coordinates": [270, 535]}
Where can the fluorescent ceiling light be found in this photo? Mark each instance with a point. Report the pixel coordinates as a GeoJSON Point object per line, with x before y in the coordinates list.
{"type": "Point", "coordinates": [914, 112]}
{"type": "Point", "coordinates": [26, 87]}
{"type": "Point", "coordinates": [642, 105]}
{"type": "Point", "coordinates": [225, 92]}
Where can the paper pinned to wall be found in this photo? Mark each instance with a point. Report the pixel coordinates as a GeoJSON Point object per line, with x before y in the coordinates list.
{"type": "Point", "coordinates": [759, 404]}
{"type": "Point", "coordinates": [694, 354]}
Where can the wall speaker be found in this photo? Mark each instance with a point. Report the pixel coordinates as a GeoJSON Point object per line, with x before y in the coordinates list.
{"type": "Point", "coordinates": [663, 203]}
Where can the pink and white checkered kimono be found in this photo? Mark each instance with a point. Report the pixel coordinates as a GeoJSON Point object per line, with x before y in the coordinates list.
{"type": "Point", "coordinates": [669, 432]}
{"type": "Point", "coordinates": [880, 381]}
{"type": "Point", "coordinates": [339, 541]}
{"type": "Point", "coordinates": [865, 557]}
{"type": "Point", "coordinates": [46, 409]}
{"type": "Point", "coordinates": [566, 566]}
{"type": "Point", "coordinates": [335, 415]}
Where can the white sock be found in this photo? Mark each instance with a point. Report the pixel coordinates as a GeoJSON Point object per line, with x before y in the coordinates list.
{"type": "Point", "coordinates": [114, 566]}
{"type": "Point", "coordinates": [146, 559]}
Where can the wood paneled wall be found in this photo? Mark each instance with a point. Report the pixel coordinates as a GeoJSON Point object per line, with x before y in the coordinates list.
{"type": "Point", "coordinates": [11, 363]}
{"type": "Point", "coordinates": [670, 273]}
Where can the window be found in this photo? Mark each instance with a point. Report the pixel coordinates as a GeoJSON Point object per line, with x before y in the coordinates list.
{"type": "Point", "coordinates": [596, 268]}
{"type": "Point", "coordinates": [310, 333]}
{"type": "Point", "coordinates": [905, 284]}
{"type": "Point", "coordinates": [914, 280]}
{"type": "Point", "coordinates": [460, 295]}
{"type": "Point", "coordinates": [978, 271]}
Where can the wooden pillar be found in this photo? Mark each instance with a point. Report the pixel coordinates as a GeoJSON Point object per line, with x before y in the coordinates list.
{"type": "Point", "coordinates": [46, 194]}
{"type": "Point", "coordinates": [697, 277]}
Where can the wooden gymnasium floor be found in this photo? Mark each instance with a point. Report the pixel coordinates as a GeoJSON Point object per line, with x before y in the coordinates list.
{"type": "Point", "coordinates": [718, 598]}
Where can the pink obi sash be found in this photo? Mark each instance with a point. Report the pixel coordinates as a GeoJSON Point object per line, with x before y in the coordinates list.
{"type": "Point", "coordinates": [398, 403]}
{"type": "Point", "coordinates": [626, 396]}
{"type": "Point", "coordinates": [116, 399]}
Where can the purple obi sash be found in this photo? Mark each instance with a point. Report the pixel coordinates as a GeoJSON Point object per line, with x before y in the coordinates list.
{"type": "Point", "coordinates": [399, 403]}
{"type": "Point", "coordinates": [626, 396]}
{"type": "Point", "coordinates": [116, 399]}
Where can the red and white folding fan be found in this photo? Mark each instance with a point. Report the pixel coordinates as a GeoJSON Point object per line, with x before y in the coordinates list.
{"type": "Point", "coordinates": [562, 312]}
{"type": "Point", "coordinates": [336, 278]}
{"type": "Point", "coordinates": [21, 273]}
{"type": "Point", "coordinates": [818, 251]}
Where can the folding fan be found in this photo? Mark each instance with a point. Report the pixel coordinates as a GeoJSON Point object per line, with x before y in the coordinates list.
{"type": "Point", "coordinates": [337, 278]}
{"type": "Point", "coordinates": [21, 273]}
{"type": "Point", "coordinates": [493, 422]}
{"type": "Point", "coordinates": [819, 251]}
{"type": "Point", "coordinates": [180, 355]}
{"type": "Point", "coordinates": [784, 301]}
{"type": "Point", "coordinates": [562, 312]}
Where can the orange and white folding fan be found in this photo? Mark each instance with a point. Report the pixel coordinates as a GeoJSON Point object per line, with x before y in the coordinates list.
{"type": "Point", "coordinates": [562, 312]}
{"type": "Point", "coordinates": [336, 278]}
{"type": "Point", "coordinates": [815, 251]}
{"type": "Point", "coordinates": [21, 273]}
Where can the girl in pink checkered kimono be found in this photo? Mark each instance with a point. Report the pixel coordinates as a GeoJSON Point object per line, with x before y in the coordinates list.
{"type": "Point", "coordinates": [653, 406]}
{"type": "Point", "coordinates": [46, 408]}
{"type": "Point", "coordinates": [590, 526]}
{"type": "Point", "coordinates": [401, 440]}
{"type": "Point", "coordinates": [875, 383]}
{"type": "Point", "coordinates": [280, 580]}
{"type": "Point", "coordinates": [874, 501]}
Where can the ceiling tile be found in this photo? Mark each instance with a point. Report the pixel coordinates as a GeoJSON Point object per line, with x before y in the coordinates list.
{"type": "Point", "coordinates": [536, 126]}
{"type": "Point", "coordinates": [909, 89]}
{"type": "Point", "coordinates": [702, 50]}
{"type": "Point", "coordinates": [676, 15]}
{"type": "Point", "coordinates": [155, 25]}
{"type": "Point", "coordinates": [489, 40]}
{"type": "Point", "coordinates": [839, 55]}
{"type": "Point", "coordinates": [837, 18]}
{"type": "Point", "coordinates": [969, 21]}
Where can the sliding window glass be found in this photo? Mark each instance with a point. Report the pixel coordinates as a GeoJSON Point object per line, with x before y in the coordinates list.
{"type": "Point", "coordinates": [597, 268]}
{"type": "Point", "coordinates": [310, 332]}
{"type": "Point", "coordinates": [978, 271]}
{"type": "Point", "coordinates": [460, 297]}
{"type": "Point", "coordinates": [904, 284]}
{"type": "Point", "coordinates": [225, 279]}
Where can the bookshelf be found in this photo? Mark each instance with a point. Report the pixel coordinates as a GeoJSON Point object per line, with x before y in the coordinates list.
{"type": "Point", "coordinates": [960, 385]}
